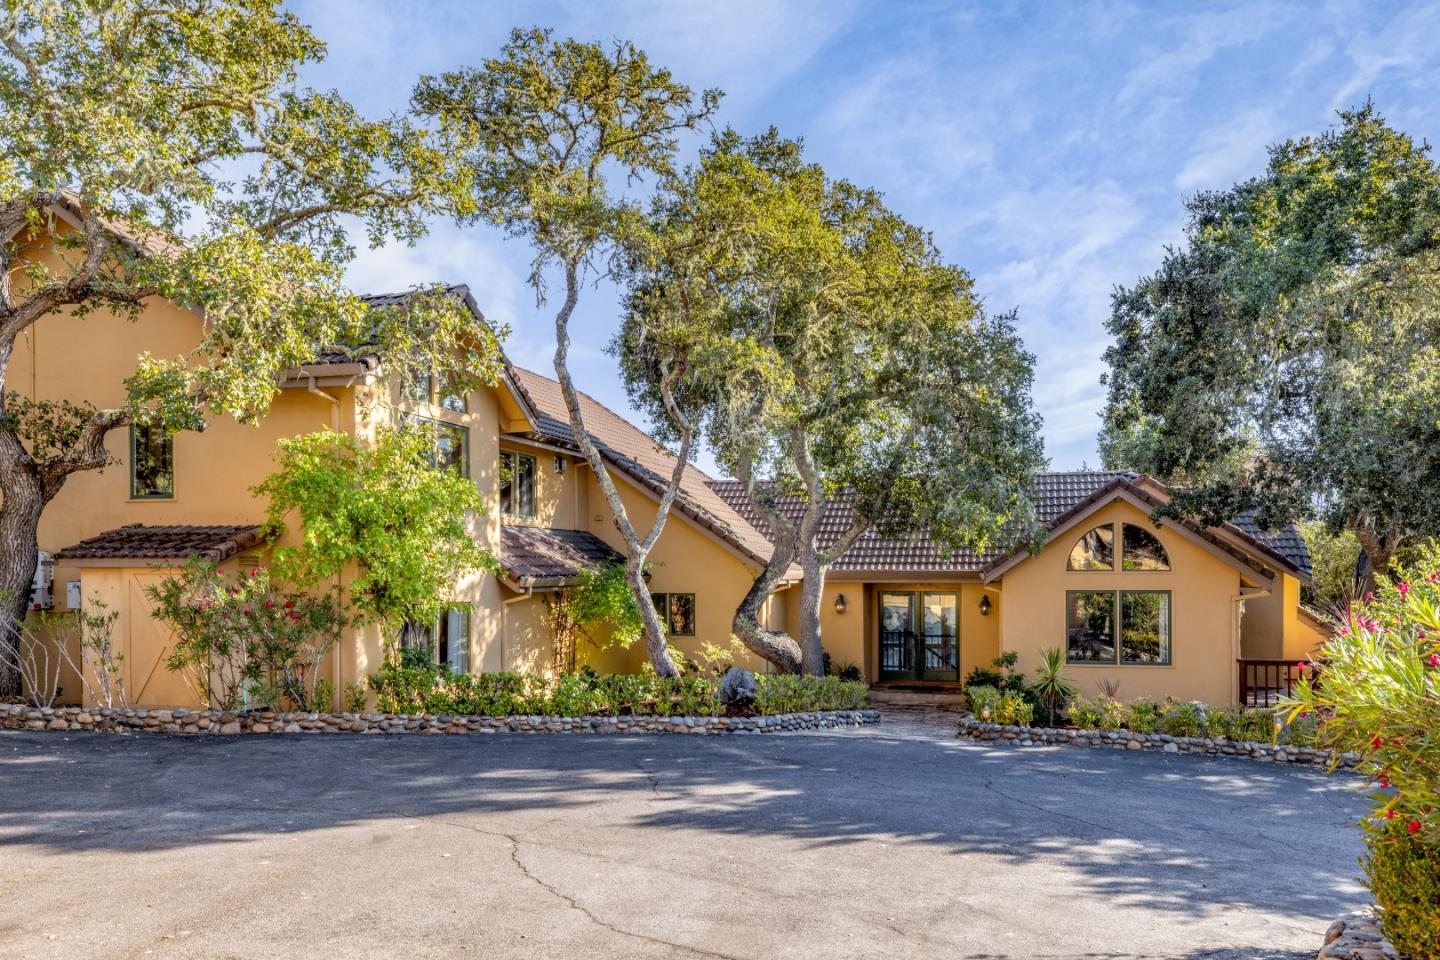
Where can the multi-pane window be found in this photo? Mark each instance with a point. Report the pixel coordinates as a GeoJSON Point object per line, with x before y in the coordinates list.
{"type": "Point", "coordinates": [1094, 551]}
{"type": "Point", "coordinates": [1117, 626]}
{"type": "Point", "coordinates": [677, 612]}
{"type": "Point", "coordinates": [452, 396]}
{"type": "Point", "coordinates": [420, 387]}
{"type": "Point", "coordinates": [152, 463]}
{"type": "Point", "coordinates": [449, 443]}
{"type": "Point", "coordinates": [517, 484]}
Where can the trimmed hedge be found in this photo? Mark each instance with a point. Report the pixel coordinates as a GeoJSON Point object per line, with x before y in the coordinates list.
{"type": "Point", "coordinates": [437, 691]}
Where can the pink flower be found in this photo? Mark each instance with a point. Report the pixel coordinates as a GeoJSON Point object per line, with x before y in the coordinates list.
{"type": "Point", "coordinates": [1434, 660]}
{"type": "Point", "coordinates": [1404, 589]}
{"type": "Point", "coordinates": [1369, 597]}
{"type": "Point", "coordinates": [1300, 666]}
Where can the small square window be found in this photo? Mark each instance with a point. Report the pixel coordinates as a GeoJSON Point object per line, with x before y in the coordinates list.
{"type": "Point", "coordinates": [677, 612]}
{"type": "Point", "coordinates": [152, 463]}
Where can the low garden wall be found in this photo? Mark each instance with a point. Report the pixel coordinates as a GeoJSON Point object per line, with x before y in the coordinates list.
{"type": "Point", "coordinates": [208, 722]}
{"type": "Point", "coordinates": [973, 729]}
{"type": "Point", "coordinates": [1356, 937]}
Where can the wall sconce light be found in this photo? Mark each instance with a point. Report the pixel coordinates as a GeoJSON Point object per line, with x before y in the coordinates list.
{"type": "Point", "coordinates": [985, 606]}
{"type": "Point", "coordinates": [839, 603]}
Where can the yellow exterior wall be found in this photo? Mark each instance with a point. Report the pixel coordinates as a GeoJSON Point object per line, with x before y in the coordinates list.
{"type": "Point", "coordinates": [1202, 613]}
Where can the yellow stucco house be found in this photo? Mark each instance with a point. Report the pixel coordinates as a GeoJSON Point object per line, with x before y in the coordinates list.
{"type": "Point", "coordinates": [1159, 609]}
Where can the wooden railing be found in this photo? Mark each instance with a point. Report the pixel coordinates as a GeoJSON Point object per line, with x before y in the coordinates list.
{"type": "Point", "coordinates": [1264, 682]}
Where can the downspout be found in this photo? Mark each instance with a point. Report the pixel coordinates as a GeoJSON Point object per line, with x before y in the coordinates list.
{"type": "Point", "coordinates": [334, 428]}
{"type": "Point", "coordinates": [1235, 628]}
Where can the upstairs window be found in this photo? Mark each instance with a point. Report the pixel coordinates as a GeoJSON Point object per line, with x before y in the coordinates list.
{"type": "Point", "coordinates": [517, 485]}
{"type": "Point", "coordinates": [1094, 551]}
{"type": "Point", "coordinates": [1143, 550]}
{"type": "Point", "coordinates": [452, 397]}
{"type": "Point", "coordinates": [152, 463]}
{"type": "Point", "coordinates": [449, 444]}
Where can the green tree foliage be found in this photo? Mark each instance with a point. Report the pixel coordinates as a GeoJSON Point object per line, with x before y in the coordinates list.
{"type": "Point", "coordinates": [1334, 562]}
{"type": "Point", "coordinates": [828, 350]}
{"type": "Point", "coordinates": [381, 506]}
{"type": "Point", "coordinates": [1283, 357]}
{"type": "Point", "coordinates": [542, 128]}
{"type": "Point", "coordinates": [165, 148]}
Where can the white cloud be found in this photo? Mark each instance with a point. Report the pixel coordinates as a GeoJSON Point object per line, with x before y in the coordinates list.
{"type": "Point", "coordinates": [1232, 151]}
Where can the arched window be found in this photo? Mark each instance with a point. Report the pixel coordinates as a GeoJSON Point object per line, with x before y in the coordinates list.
{"type": "Point", "coordinates": [1094, 551]}
{"type": "Point", "coordinates": [1143, 550]}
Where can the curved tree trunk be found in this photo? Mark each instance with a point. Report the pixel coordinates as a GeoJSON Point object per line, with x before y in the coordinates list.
{"type": "Point", "coordinates": [812, 649]}
{"type": "Point", "coordinates": [776, 647]}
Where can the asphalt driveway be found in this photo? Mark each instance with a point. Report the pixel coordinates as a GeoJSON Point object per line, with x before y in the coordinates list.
{"type": "Point", "coordinates": [895, 842]}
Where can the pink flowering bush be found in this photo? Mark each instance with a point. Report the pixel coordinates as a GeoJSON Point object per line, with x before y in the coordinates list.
{"type": "Point", "coordinates": [242, 640]}
{"type": "Point", "coordinates": [1378, 694]}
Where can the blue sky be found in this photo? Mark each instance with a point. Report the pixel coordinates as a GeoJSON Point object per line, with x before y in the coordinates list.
{"type": "Point", "coordinates": [1049, 146]}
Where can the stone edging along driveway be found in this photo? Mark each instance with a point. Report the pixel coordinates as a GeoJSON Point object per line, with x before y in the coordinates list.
{"type": "Point", "coordinates": [214, 722]}
{"type": "Point", "coordinates": [973, 729]}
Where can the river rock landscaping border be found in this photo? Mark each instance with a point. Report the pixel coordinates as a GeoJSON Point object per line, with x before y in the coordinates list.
{"type": "Point", "coordinates": [973, 729]}
{"type": "Point", "coordinates": [1356, 937]}
{"type": "Point", "coordinates": [216, 722]}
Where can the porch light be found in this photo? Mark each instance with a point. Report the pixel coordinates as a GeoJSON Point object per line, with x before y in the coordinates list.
{"type": "Point", "coordinates": [839, 603]}
{"type": "Point", "coordinates": [985, 605]}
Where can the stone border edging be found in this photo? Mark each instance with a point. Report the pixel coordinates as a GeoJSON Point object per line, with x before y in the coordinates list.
{"type": "Point", "coordinates": [1356, 936]}
{"type": "Point", "coordinates": [214, 722]}
{"type": "Point", "coordinates": [972, 729]}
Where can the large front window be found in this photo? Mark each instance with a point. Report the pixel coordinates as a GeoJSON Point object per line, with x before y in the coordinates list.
{"type": "Point", "coordinates": [1118, 626]}
{"type": "Point", "coordinates": [517, 485]}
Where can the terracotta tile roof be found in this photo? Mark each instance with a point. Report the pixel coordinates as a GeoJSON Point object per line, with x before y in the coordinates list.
{"type": "Point", "coordinates": [545, 556]}
{"type": "Point", "coordinates": [1288, 541]}
{"type": "Point", "coordinates": [633, 451]}
{"type": "Point", "coordinates": [1057, 496]}
{"type": "Point", "coordinates": [139, 542]}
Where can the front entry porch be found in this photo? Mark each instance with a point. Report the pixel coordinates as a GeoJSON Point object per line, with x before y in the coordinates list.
{"type": "Point", "coordinates": [919, 633]}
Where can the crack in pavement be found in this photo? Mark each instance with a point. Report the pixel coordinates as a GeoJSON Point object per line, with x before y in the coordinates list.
{"type": "Point", "coordinates": [514, 842]}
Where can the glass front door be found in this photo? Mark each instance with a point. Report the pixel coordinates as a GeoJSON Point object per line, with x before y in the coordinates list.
{"type": "Point", "coordinates": [919, 636]}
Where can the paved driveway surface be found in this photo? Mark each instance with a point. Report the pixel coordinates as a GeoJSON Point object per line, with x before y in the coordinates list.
{"type": "Point", "coordinates": [895, 842]}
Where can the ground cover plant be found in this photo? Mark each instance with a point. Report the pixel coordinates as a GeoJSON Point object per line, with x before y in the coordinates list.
{"type": "Point", "coordinates": [404, 688]}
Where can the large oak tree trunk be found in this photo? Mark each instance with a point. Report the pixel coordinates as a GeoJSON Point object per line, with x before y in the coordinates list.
{"type": "Point", "coordinates": [776, 647]}
{"type": "Point", "coordinates": [23, 500]}
{"type": "Point", "coordinates": [812, 650]}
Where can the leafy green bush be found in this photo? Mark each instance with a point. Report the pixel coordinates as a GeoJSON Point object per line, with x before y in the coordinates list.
{"type": "Point", "coordinates": [1404, 874]}
{"type": "Point", "coordinates": [1051, 688]}
{"type": "Point", "coordinates": [1143, 715]}
{"type": "Point", "coordinates": [1085, 714]}
{"type": "Point", "coordinates": [1182, 719]}
{"type": "Point", "coordinates": [1378, 694]}
{"type": "Point", "coordinates": [1014, 710]}
{"type": "Point", "coordinates": [1113, 713]}
{"type": "Point", "coordinates": [983, 700]}
{"type": "Point", "coordinates": [431, 689]}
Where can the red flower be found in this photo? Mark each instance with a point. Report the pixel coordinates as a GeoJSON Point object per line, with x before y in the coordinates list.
{"type": "Point", "coordinates": [1376, 742]}
{"type": "Point", "coordinates": [1413, 826]}
{"type": "Point", "coordinates": [1433, 576]}
{"type": "Point", "coordinates": [1434, 660]}
{"type": "Point", "coordinates": [1404, 589]}
{"type": "Point", "coordinates": [1390, 814]}
{"type": "Point", "coordinates": [1300, 666]}
{"type": "Point", "coordinates": [1384, 782]}
{"type": "Point", "coordinates": [249, 612]}
{"type": "Point", "coordinates": [289, 604]}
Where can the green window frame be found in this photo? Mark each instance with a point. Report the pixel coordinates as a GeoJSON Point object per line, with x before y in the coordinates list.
{"type": "Point", "coordinates": [1142, 551]}
{"type": "Point", "coordinates": [449, 443]}
{"type": "Point", "coordinates": [677, 612]}
{"type": "Point", "coordinates": [152, 463]}
{"type": "Point", "coordinates": [1106, 627]}
{"type": "Point", "coordinates": [518, 479]}
{"type": "Point", "coordinates": [1094, 552]}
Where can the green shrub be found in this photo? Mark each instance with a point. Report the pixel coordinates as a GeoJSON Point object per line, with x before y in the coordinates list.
{"type": "Point", "coordinates": [1182, 719]}
{"type": "Point", "coordinates": [1404, 875]}
{"type": "Point", "coordinates": [1113, 714]}
{"type": "Point", "coordinates": [1232, 723]}
{"type": "Point", "coordinates": [1085, 714]}
{"type": "Point", "coordinates": [1014, 710]}
{"type": "Point", "coordinates": [983, 700]}
{"type": "Point", "coordinates": [432, 689]}
{"type": "Point", "coordinates": [1143, 715]}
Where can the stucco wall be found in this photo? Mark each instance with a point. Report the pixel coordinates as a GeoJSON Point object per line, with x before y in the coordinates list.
{"type": "Point", "coordinates": [1203, 615]}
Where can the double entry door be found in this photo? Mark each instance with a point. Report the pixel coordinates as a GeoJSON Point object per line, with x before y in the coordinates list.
{"type": "Point", "coordinates": [919, 636]}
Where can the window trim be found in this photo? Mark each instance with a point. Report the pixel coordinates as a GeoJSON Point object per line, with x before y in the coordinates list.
{"type": "Point", "coordinates": [431, 424]}
{"type": "Point", "coordinates": [1114, 554]}
{"type": "Point", "coordinates": [534, 486]}
{"type": "Point", "coordinates": [135, 493]}
{"type": "Point", "coordinates": [1117, 619]}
